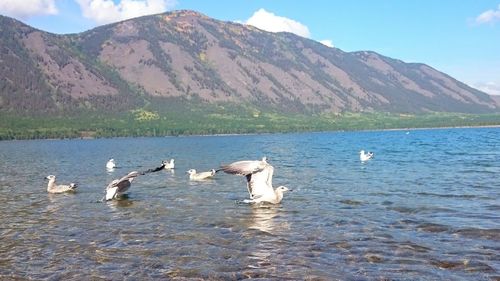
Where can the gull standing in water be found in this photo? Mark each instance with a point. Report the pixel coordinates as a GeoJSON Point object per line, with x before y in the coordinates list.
{"type": "Point", "coordinates": [193, 175]}
{"type": "Point", "coordinates": [365, 156]}
{"type": "Point", "coordinates": [259, 176]}
{"type": "Point", "coordinates": [52, 187]}
{"type": "Point", "coordinates": [118, 187]}
{"type": "Point", "coordinates": [110, 165]}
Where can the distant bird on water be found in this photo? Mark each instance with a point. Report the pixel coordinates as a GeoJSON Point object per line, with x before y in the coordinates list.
{"type": "Point", "coordinates": [118, 187]}
{"type": "Point", "coordinates": [193, 175]}
{"type": "Point", "coordinates": [110, 164]}
{"type": "Point", "coordinates": [365, 156]}
{"type": "Point", "coordinates": [259, 176]}
{"type": "Point", "coordinates": [52, 187]}
{"type": "Point", "coordinates": [169, 165]}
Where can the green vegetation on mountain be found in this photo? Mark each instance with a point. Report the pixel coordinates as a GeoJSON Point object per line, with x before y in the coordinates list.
{"type": "Point", "coordinates": [181, 119]}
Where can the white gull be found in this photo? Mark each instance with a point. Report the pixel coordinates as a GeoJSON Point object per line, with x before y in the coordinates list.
{"type": "Point", "coordinates": [365, 156]}
{"type": "Point", "coordinates": [169, 165]}
{"type": "Point", "coordinates": [193, 175]}
{"type": "Point", "coordinates": [52, 187]}
{"type": "Point", "coordinates": [110, 165]}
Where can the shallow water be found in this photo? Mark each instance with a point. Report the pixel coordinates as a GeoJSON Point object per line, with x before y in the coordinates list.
{"type": "Point", "coordinates": [426, 208]}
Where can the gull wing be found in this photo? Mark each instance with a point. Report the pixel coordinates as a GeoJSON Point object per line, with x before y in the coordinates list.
{"type": "Point", "coordinates": [112, 184]}
{"type": "Point", "coordinates": [244, 168]}
{"type": "Point", "coordinates": [260, 183]}
{"type": "Point", "coordinates": [124, 183]}
{"type": "Point", "coordinates": [123, 186]}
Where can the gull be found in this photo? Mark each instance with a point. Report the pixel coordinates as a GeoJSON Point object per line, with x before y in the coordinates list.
{"type": "Point", "coordinates": [110, 164]}
{"type": "Point", "coordinates": [193, 175]}
{"type": "Point", "coordinates": [118, 187]}
{"type": "Point", "coordinates": [259, 176]}
{"type": "Point", "coordinates": [365, 156]}
{"type": "Point", "coordinates": [52, 187]}
{"type": "Point", "coordinates": [168, 165]}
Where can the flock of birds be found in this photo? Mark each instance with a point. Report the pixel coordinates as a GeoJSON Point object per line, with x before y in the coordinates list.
{"type": "Point", "coordinates": [258, 174]}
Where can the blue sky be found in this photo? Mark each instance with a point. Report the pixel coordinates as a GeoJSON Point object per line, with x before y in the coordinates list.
{"type": "Point", "coordinates": [460, 38]}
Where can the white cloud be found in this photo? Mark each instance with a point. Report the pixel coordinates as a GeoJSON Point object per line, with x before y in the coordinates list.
{"type": "Point", "coordinates": [26, 8]}
{"type": "Point", "coordinates": [106, 11]}
{"type": "Point", "coordinates": [270, 22]}
{"type": "Point", "coordinates": [327, 43]}
{"type": "Point", "coordinates": [489, 16]}
{"type": "Point", "coordinates": [491, 88]}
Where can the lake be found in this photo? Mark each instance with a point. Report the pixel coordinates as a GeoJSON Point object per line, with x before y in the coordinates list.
{"type": "Point", "coordinates": [426, 207]}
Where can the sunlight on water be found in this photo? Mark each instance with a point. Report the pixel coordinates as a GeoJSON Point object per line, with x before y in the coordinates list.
{"type": "Point", "coordinates": [426, 207]}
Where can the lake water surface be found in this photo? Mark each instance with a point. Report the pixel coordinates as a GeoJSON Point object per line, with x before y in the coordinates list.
{"type": "Point", "coordinates": [426, 208]}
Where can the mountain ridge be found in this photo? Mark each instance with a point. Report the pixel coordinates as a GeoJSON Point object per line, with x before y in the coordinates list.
{"type": "Point", "coordinates": [187, 56]}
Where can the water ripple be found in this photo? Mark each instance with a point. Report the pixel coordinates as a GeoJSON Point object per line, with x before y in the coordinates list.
{"type": "Point", "coordinates": [426, 208]}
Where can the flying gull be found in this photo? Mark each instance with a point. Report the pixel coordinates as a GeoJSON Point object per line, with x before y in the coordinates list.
{"type": "Point", "coordinates": [259, 176]}
{"type": "Point", "coordinates": [52, 187]}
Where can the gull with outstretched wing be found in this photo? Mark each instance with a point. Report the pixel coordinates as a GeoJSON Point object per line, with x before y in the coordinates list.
{"type": "Point", "coordinates": [259, 176]}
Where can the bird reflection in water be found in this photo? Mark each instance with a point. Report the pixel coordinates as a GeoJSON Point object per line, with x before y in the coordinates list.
{"type": "Point", "coordinates": [123, 202]}
{"type": "Point", "coordinates": [263, 218]}
{"type": "Point", "coordinates": [266, 224]}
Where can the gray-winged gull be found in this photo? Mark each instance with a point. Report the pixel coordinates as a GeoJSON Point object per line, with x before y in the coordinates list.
{"type": "Point", "coordinates": [259, 175]}
{"type": "Point", "coordinates": [193, 175]}
{"type": "Point", "coordinates": [365, 156]}
{"type": "Point", "coordinates": [52, 187]}
{"type": "Point", "coordinates": [118, 187]}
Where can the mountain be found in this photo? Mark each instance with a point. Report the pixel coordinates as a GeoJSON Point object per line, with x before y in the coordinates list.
{"type": "Point", "coordinates": [184, 57]}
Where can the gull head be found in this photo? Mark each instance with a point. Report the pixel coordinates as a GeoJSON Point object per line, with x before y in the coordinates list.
{"type": "Point", "coordinates": [168, 162]}
{"type": "Point", "coordinates": [50, 177]}
{"type": "Point", "coordinates": [282, 189]}
{"type": "Point", "coordinates": [362, 152]}
{"type": "Point", "coordinates": [191, 171]}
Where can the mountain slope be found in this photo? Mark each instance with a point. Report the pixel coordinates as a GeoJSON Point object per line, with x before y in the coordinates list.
{"type": "Point", "coordinates": [186, 56]}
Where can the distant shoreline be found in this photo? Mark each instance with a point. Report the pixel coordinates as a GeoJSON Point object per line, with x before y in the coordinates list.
{"type": "Point", "coordinates": [362, 130]}
{"type": "Point", "coordinates": [435, 128]}
{"type": "Point", "coordinates": [266, 133]}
